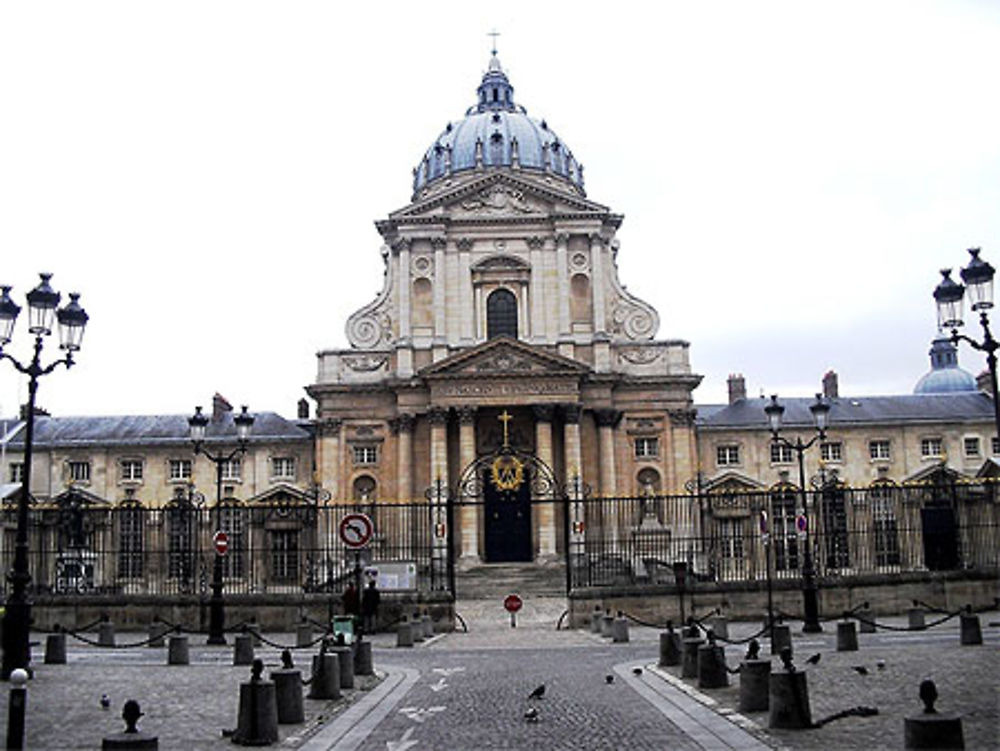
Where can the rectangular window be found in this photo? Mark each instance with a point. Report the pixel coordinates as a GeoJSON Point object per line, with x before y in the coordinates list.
{"type": "Point", "coordinates": [971, 447]}
{"type": "Point", "coordinates": [17, 471]}
{"type": "Point", "coordinates": [231, 469]}
{"type": "Point", "coordinates": [727, 455]}
{"type": "Point", "coordinates": [831, 451]}
{"type": "Point", "coordinates": [130, 543]}
{"type": "Point", "coordinates": [365, 455]}
{"type": "Point", "coordinates": [131, 470]}
{"type": "Point", "coordinates": [781, 454]}
{"type": "Point", "coordinates": [79, 471]}
{"type": "Point", "coordinates": [878, 450]}
{"type": "Point", "coordinates": [930, 448]}
{"type": "Point", "coordinates": [647, 448]}
{"type": "Point", "coordinates": [180, 469]}
{"type": "Point", "coordinates": [285, 555]}
{"type": "Point", "coordinates": [283, 467]}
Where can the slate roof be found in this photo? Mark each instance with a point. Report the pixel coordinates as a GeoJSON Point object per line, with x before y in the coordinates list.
{"type": "Point", "coordinates": [858, 410]}
{"type": "Point", "coordinates": [161, 430]}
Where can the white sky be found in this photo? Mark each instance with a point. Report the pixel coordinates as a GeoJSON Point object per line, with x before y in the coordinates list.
{"type": "Point", "coordinates": [206, 174]}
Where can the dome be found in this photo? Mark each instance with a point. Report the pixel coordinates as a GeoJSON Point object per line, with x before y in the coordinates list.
{"type": "Point", "coordinates": [945, 376]}
{"type": "Point", "coordinates": [496, 132]}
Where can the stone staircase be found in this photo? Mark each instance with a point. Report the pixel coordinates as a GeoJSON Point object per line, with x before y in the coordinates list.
{"type": "Point", "coordinates": [480, 591]}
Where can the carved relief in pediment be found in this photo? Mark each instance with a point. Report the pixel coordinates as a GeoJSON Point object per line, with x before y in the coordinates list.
{"type": "Point", "coordinates": [497, 200]}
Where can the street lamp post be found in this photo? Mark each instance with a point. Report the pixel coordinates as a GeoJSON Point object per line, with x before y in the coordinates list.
{"type": "Point", "coordinates": [820, 411]}
{"type": "Point", "coordinates": [43, 302]}
{"type": "Point", "coordinates": [199, 424]}
{"type": "Point", "coordinates": [978, 278]}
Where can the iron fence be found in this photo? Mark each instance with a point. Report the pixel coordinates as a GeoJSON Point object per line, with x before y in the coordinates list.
{"type": "Point", "coordinates": [739, 536]}
{"type": "Point", "coordinates": [128, 549]}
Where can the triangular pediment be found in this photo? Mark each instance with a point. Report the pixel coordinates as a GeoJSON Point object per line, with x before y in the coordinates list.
{"type": "Point", "coordinates": [282, 493]}
{"type": "Point", "coordinates": [504, 356]}
{"type": "Point", "coordinates": [499, 194]}
{"type": "Point", "coordinates": [939, 472]}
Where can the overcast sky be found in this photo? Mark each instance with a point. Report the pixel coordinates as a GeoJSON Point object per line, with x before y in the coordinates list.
{"type": "Point", "coordinates": [207, 174]}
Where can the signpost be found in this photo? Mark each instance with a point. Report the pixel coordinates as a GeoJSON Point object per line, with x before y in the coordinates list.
{"type": "Point", "coordinates": [356, 532]}
{"type": "Point", "coordinates": [512, 603]}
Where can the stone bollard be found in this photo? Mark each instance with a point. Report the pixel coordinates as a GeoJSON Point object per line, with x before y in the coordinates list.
{"type": "Point", "coordinates": [428, 624]}
{"type": "Point", "coordinates": [689, 657]}
{"type": "Point", "coordinates": [157, 631]}
{"type": "Point", "coordinates": [670, 647]}
{"type": "Point", "coordinates": [243, 650]}
{"type": "Point", "coordinates": [177, 650]}
{"type": "Point", "coordinates": [253, 628]}
{"type": "Point", "coordinates": [619, 629]}
{"type": "Point", "coordinates": [915, 616]}
{"type": "Point", "coordinates": [755, 676]}
{"type": "Point", "coordinates": [404, 634]}
{"type": "Point", "coordinates": [720, 626]}
{"type": "Point", "coordinates": [607, 623]}
{"type": "Point", "coordinates": [363, 658]}
{"type": "Point", "coordinates": [345, 657]}
{"type": "Point", "coordinates": [932, 729]}
{"type": "Point", "coordinates": [325, 681]}
{"type": "Point", "coordinates": [972, 633]}
{"type": "Point", "coordinates": [418, 628]}
{"type": "Point", "coordinates": [781, 637]}
{"type": "Point", "coordinates": [17, 708]}
{"type": "Point", "coordinates": [303, 635]}
{"type": "Point", "coordinates": [847, 637]}
{"type": "Point", "coordinates": [712, 671]}
{"type": "Point", "coordinates": [55, 649]}
{"type": "Point", "coordinates": [788, 697]}
{"type": "Point", "coordinates": [866, 617]}
{"type": "Point", "coordinates": [288, 691]}
{"type": "Point", "coordinates": [257, 723]}
{"type": "Point", "coordinates": [131, 739]}
{"type": "Point", "coordinates": [106, 634]}
{"type": "Point", "coordinates": [595, 620]}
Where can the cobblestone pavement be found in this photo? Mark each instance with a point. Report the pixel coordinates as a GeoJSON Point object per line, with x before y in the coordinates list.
{"type": "Point", "coordinates": [469, 691]}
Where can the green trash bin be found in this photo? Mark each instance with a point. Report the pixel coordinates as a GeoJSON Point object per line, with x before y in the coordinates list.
{"type": "Point", "coordinates": [344, 624]}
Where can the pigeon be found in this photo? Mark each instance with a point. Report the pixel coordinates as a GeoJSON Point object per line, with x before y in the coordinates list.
{"type": "Point", "coordinates": [538, 693]}
{"type": "Point", "coordinates": [105, 701]}
{"type": "Point", "coordinates": [636, 671]}
{"type": "Point", "coordinates": [609, 678]}
{"type": "Point", "coordinates": [814, 659]}
{"type": "Point", "coordinates": [531, 714]}
{"type": "Point", "coordinates": [880, 664]}
{"type": "Point", "coordinates": [860, 669]}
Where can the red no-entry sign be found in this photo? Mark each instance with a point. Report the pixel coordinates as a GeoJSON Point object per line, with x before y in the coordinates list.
{"type": "Point", "coordinates": [220, 540]}
{"type": "Point", "coordinates": [512, 603]}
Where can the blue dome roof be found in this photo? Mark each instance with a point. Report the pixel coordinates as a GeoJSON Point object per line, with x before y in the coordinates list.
{"type": "Point", "coordinates": [945, 376]}
{"type": "Point", "coordinates": [496, 132]}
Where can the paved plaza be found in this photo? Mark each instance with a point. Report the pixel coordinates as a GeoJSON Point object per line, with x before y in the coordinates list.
{"type": "Point", "coordinates": [469, 691]}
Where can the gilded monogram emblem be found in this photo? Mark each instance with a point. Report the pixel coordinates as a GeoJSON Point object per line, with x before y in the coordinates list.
{"type": "Point", "coordinates": [507, 472]}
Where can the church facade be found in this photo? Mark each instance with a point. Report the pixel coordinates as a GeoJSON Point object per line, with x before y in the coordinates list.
{"type": "Point", "coordinates": [502, 323]}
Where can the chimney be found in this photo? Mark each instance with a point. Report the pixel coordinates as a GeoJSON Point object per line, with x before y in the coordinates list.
{"type": "Point", "coordinates": [984, 384]}
{"type": "Point", "coordinates": [831, 389]}
{"type": "Point", "coordinates": [737, 388]}
{"type": "Point", "coordinates": [220, 406]}
{"type": "Point", "coordinates": [303, 409]}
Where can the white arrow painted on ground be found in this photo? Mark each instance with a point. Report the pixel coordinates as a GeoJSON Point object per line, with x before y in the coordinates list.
{"type": "Point", "coordinates": [418, 714]}
{"type": "Point", "coordinates": [403, 743]}
{"type": "Point", "coordinates": [439, 686]}
{"type": "Point", "coordinates": [448, 671]}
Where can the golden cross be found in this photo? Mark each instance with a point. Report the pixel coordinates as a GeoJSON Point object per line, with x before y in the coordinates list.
{"type": "Point", "coordinates": [505, 418]}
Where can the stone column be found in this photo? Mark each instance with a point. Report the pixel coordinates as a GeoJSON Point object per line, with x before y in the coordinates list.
{"type": "Point", "coordinates": [573, 463]}
{"type": "Point", "coordinates": [403, 427]}
{"type": "Point", "coordinates": [328, 463]}
{"type": "Point", "coordinates": [467, 302]}
{"type": "Point", "coordinates": [538, 291]}
{"type": "Point", "coordinates": [565, 345]}
{"type": "Point", "coordinates": [683, 451]}
{"type": "Point", "coordinates": [546, 511]}
{"type": "Point", "coordinates": [602, 342]}
{"type": "Point", "coordinates": [607, 419]}
{"type": "Point", "coordinates": [440, 305]}
{"type": "Point", "coordinates": [468, 509]}
{"type": "Point", "coordinates": [404, 350]}
{"type": "Point", "coordinates": [438, 417]}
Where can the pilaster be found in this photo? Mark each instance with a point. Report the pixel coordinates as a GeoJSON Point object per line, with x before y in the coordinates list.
{"type": "Point", "coordinates": [469, 513]}
{"type": "Point", "coordinates": [546, 511]}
